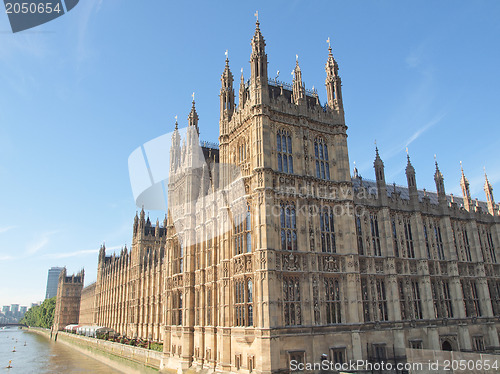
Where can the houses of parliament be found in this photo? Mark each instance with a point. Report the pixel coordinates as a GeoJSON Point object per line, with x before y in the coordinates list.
{"type": "Point", "coordinates": [305, 259]}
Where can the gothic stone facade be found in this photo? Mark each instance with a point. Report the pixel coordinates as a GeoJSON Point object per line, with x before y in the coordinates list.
{"type": "Point", "coordinates": [318, 261]}
{"type": "Point", "coordinates": [69, 291]}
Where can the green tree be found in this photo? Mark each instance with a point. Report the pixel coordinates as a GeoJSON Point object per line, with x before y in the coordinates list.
{"type": "Point", "coordinates": [41, 315]}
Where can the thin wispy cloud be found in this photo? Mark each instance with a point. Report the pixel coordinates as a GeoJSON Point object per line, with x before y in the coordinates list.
{"type": "Point", "coordinates": [417, 134]}
{"type": "Point", "coordinates": [88, 8]}
{"type": "Point", "coordinates": [424, 128]}
{"type": "Point", "coordinates": [7, 228]}
{"type": "Point", "coordinates": [79, 253]}
{"type": "Point", "coordinates": [416, 55]}
{"type": "Point", "coordinates": [6, 258]}
{"type": "Point", "coordinates": [39, 243]}
{"type": "Point", "coordinates": [71, 254]}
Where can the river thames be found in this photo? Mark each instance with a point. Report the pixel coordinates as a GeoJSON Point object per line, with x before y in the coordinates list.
{"type": "Point", "coordinates": [41, 355]}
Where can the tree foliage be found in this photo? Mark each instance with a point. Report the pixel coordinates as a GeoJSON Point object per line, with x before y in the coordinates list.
{"type": "Point", "coordinates": [41, 315]}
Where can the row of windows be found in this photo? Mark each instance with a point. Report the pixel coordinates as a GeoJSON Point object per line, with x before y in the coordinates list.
{"type": "Point", "coordinates": [285, 155]}
{"type": "Point", "coordinates": [374, 299]}
{"type": "Point", "coordinates": [404, 245]}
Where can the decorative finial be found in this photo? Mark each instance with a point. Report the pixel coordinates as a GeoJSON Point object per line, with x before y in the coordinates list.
{"type": "Point", "coordinates": [176, 127]}
{"type": "Point", "coordinates": [193, 96]}
{"type": "Point", "coordinates": [328, 41]}
{"type": "Point", "coordinates": [176, 118]}
{"type": "Point", "coordinates": [435, 157]}
{"type": "Point", "coordinates": [297, 58]}
{"type": "Point", "coordinates": [293, 73]}
{"type": "Point", "coordinates": [277, 74]}
{"type": "Point", "coordinates": [242, 71]}
{"type": "Point", "coordinates": [227, 55]}
{"type": "Point", "coordinates": [257, 15]}
{"type": "Point", "coordinates": [407, 151]}
{"type": "Point", "coordinates": [461, 167]}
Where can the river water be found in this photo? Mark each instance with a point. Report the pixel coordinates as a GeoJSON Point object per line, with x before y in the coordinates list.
{"type": "Point", "coordinates": [41, 355]}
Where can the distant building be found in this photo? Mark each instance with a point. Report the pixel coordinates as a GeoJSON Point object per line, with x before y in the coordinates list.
{"type": "Point", "coordinates": [23, 310]}
{"type": "Point", "coordinates": [69, 291]}
{"type": "Point", "coordinates": [5, 309]}
{"type": "Point", "coordinates": [52, 280]}
{"type": "Point", "coordinates": [14, 308]}
{"type": "Point", "coordinates": [87, 306]}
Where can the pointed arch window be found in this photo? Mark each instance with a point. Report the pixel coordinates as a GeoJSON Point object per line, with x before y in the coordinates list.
{"type": "Point", "coordinates": [243, 302]}
{"type": "Point", "coordinates": [178, 258]}
{"type": "Point", "coordinates": [439, 241]}
{"type": "Point", "coordinates": [288, 227]}
{"type": "Point", "coordinates": [333, 312]}
{"type": "Point", "coordinates": [242, 233]}
{"type": "Point", "coordinates": [177, 308]}
{"type": "Point", "coordinates": [284, 151]}
{"type": "Point", "coordinates": [291, 301]}
{"type": "Point", "coordinates": [395, 236]}
{"type": "Point", "coordinates": [322, 161]}
{"type": "Point", "coordinates": [242, 152]}
{"type": "Point", "coordinates": [375, 235]}
{"type": "Point", "coordinates": [410, 250]}
{"type": "Point", "coordinates": [359, 234]}
{"type": "Point", "coordinates": [327, 224]}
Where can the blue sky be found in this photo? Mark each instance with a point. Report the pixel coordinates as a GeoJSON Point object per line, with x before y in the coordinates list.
{"type": "Point", "coordinates": [79, 94]}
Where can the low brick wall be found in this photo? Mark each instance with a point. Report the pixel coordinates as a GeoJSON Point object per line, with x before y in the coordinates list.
{"type": "Point", "coordinates": [121, 356]}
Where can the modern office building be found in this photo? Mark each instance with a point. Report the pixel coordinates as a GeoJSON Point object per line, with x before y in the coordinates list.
{"type": "Point", "coordinates": [52, 282]}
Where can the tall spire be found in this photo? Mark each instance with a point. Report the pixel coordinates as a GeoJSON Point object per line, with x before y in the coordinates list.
{"type": "Point", "coordinates": [464, 184]}
{"type": "Point", "coordinates": [175, 149]}
{"type": "Point", "coordinates": [438, 178]}
{"type": "Point", "coordinates": [193, 117]}
{"type": "Point", "coordinates": [241, 99]}
{"type": "Point", "coordinates": [226, 92]}
{"type": "Point", "coordinates": [410, 177]}
{"type": "Point", "coordinates": [298, 86]}
{"type": "Point", "coordinates": [258, 63]}
{"type": "Point", "coordinates": [378, 164]}
{"type": "Point", "coordinates": [333, 82]}
{"type": "Point", "coordinates": [488, 189]}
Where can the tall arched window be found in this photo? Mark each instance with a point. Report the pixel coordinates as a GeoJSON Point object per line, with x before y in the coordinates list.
{"type": "Point", "coordinates": [242, 152]}
{"type": "Point", "coordinates": [249, 302]}
{"type": "Point", "coordinates": [288, 227]}
{"type": "Point", "coordinates": [332, 288]}
{"type": "Point", "coordinates": [242, 233]}
{"type": "Point", "coordinates": [359, 234]}
{"type": "Point", "coordinates": [321, 156]}
{"type": "Point", "coordinates": [177, 308]}
{"type": "Point", "coordinates": [327, 230]}
{"type": "Point", "coordinates": [178, 259]}
{"type": "Point", "coordinates": [284, 151]}
{"type": "Point", "coordinates": [243, 302]}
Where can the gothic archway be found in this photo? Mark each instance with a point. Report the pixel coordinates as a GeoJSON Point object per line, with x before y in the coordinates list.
{"type": "Point", "coordinates": [446, 346]}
